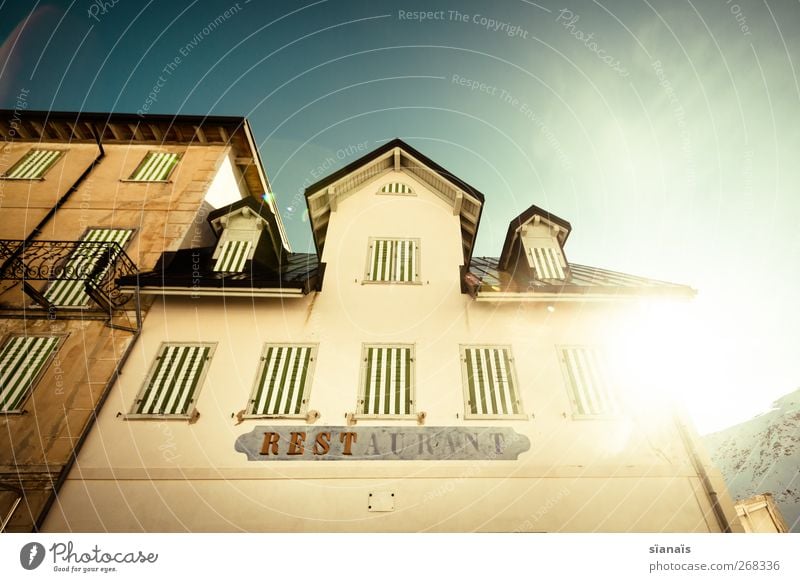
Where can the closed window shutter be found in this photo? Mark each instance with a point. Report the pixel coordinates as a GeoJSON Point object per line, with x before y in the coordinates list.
{"type": "Point", "coordinates": [547, 262]}
{"type": "Point", "coordinates": [387, 381]}
{"type": "Point", "coordinates": [379, 260]}
{"type": "Point", "coordinates": [72, 293]}
{"type": "Point", "coordinates": [33, 165]}
{"type": "Point", "coordinates": [22, 359]}
{"type": "Point", "coordinates": [156, 167]}
{"type": "Point", "coordinates": [393, 260]}
{"type": "Point", "coordinates": [405, 252]}
{"type": "Point", "coordinates": [174, 380]}
{"type": "Point", "coordinates": [590, 389]}
{"type": "Point", "coordinates": [490, 383]}
{"type": "Point", "coordinates": [283, 381]}
{"type": "Point", "coordinates": [233, 256]}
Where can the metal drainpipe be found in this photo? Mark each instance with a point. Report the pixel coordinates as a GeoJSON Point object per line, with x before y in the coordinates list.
{"type": "Point", "coordinates": [713, 497]}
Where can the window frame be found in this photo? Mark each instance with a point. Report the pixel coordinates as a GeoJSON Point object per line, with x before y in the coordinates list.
{"type": "Point", "coordinates": [153, 369]}
{"type": "Point", "coordinates": [166, 180]}
{"type": "Point", "coordinates": [512, 373]}
{"type": "Point", "coordinates": [362, 379]}
{"type": "Point", "coordinates": [61, 153]}
{"type": "Point", "coordinates": [45, 365]}
{"type": "Point", "coordinates": [571, 390]}
{"type": "Point", "coordinates": [367, 280]}
{"type": "Point", "coordinates": [305, 389]}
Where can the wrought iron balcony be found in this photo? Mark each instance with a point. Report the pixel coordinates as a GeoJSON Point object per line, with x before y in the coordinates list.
{"type": "Point", "coordinates": [67, 276]}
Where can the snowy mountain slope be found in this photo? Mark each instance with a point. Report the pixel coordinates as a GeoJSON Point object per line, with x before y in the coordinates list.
{"type": "Point", "coordinates": [762, 455]}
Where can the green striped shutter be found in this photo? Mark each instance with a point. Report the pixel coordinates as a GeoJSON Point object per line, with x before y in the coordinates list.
{"type": "Point", "coordinates": [490, 382]}
{"type": "Point", "coordinates": [396, 188]}
{"type": "Point", "coordinates": [387, 377]}
{"type": "Point", "coordinates": [22, 360]}
{"type": "Point", "coordinates": [393, 260]}
{"type": "Point", "coordinates": [283, 381]}
{"type": "Point", "coordinates": [590, 389]}
{"type": "Point", "coordinates": [547, 262]}
{"type": "Point", "coordinates": [33, 165]}
{"type": "Point", "coordinates": [72, 293]}
{"type": "Point", "coordinates": [174, 380]}
{"type": "Point", "coordinates": [155, 167]}
{"type": "Point", "coordinates": [233, 256]}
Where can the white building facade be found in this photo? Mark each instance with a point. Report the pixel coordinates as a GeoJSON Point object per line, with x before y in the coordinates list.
{"type": "Point", "coordinates": [389, 382]}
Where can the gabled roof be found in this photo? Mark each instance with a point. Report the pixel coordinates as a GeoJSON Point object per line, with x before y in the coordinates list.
{"type": "Point", "coordinates": [323, 196]}
{"type": "Point", "coordinates": [528, 216]}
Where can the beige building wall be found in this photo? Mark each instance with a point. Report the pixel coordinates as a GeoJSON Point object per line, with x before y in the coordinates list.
{"type": "Point", "coordinates": [26, 202]}
{"type": "Point", "coordinates": [628, 473]}
{"type": "Point", "coordinates": [36, 445]}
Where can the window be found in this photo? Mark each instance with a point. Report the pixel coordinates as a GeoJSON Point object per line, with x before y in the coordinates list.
{"type": "Point", "coordinates": [240, 229]}
{"type": "Point", "coordinates": [490, 385]}
{"type": "Point", "coordinates": [540, 241]}
{"type": "Point", "coordinates": [393, 260]}
{"type": "Point", "coordinates": [588, 380]}
{"type": "Point", "coordinates": [174, 381]}
{"type": "Point", "coordinates": [33, 165]}
{"type": "Point", "coordinates": [283, 382]}
{"type": "Point", "coordinates": [72, 292]}
{"type": "Point", "coordinates": [232, 256]}
{"type": "Point", "coordinates": [155, 167]}
{"type": "Point", "coordinates": [23, 358]}
{"type": "Point", "coordinates": [396, 188]}
{"type": "Point", "coordinates": [546, 262]}
{"type": "Point", "coordinates": [387, 381]}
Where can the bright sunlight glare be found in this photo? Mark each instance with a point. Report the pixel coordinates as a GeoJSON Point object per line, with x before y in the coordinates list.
{"type": "Point", "coordinates": [668, 352]}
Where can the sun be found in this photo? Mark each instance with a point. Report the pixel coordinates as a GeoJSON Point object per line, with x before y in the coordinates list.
{"type": "Point", "coordinates": [667, 353]}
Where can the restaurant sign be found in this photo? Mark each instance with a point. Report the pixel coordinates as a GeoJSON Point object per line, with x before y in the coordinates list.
{"type": "Point", "coordinates": [376, 443]}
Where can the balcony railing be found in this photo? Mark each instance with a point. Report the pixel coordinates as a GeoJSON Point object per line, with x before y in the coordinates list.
{"type": "Point", "coordinates": [68, 276]}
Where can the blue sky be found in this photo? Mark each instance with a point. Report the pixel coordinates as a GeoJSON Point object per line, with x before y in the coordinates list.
{"type": "Point", "coordinates": [666, 132]}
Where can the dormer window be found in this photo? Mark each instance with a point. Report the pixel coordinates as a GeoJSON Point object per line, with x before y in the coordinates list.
{"type": "Point", "coordinates": [543, 252]}
{"type": "Point", "coordinates": [241, 231]}
{"type": "Point", "coordinates": [233, 255]}
{"type": "Point", "coordinates": [398, 188]}
{"type": "Point", "coordinates": [546, 262]}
